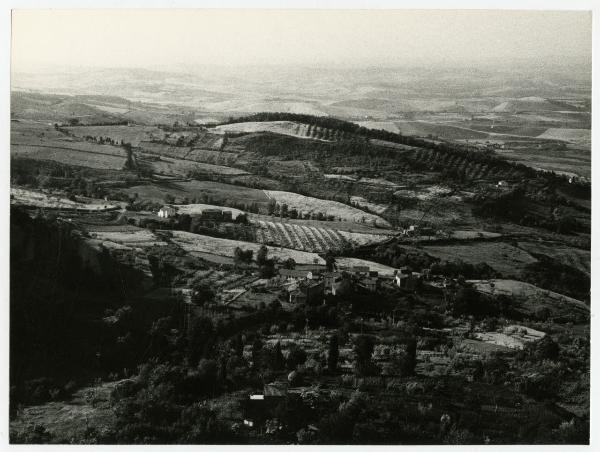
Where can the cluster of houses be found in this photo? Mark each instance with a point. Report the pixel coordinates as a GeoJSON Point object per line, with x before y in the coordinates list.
{"type": "Point", "coordinates": [310, 285]}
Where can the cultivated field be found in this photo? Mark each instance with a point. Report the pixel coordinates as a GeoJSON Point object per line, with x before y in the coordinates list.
{"type": "Point", "coordinates": [208, 191]}
{"type": "Point", "coordinates": [430, 129]}
{"type": "Point", "coordinates": [309, 238]}
{"type": "Point", "coordinates": [182, 168]}
{"type": "Point", "coordinates": [49, 201]}
{"type": "Point", "coordinates": [577, 258]}
{"type": "Point", "coordinates": [141, 238]}
{"type": "Point", "coordinates": [579, 136]}
{"type": "Point", "coordinates": [424, 193]}
{"type": "Point", "coordinates": [526, 291]}
{"type": "Point", "coordinates": [76, 157]}
{"type": "Point", "coordinates": [512, 336]}
{"type": "Point", "coordinates": [224, 280]}
{"type": "Point", "coordinates": [290, 128]}
{"type": "Point", "coordinates": [470, 235]}
{"type": "Point", "coordinates": [362, 202]}
{"type": "Point", "coordinates": [571, 161]}
{"type": "Point", "coordinates": [204, 146]}
{"type": "Point", "coordinates": [337, 209]}
{"type": "Point", "coordinates": [133, 134]}
{"type": "Point", "coordinates": [502, 257]}
{"type": "Point", "coordinates": [373, 266]}
{"type": "Point", "coordinates": [464, 165]}
{"type": "Point", "coordinates": [379, 125]}
{"type": "Point", "coordinates": [195, 243]}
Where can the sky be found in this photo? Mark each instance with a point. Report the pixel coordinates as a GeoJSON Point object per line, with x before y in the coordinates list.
{"type": "Point", "coordinates": [182, 37]}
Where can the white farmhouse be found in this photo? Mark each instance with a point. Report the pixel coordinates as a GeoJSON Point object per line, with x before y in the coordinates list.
{"type": "Point", "coordinates": [166, 212]}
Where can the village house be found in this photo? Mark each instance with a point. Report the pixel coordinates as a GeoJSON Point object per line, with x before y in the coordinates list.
{"type": "Point", "coordinates": [306, 292]}
{"type": "Point", "coordinates": [295, 275]}
{"type": "Point", "coordinates": [360, 269]}
{"type": "Point", "coordinates": [227, 215]}
{"type": "Point", "coordinates": [416, 230]}
{"type": "Point", "coordinates": [167, 212]}
{"type": "Point", "coordinates": [212, 214]}
{"type": "Point", "coordinates": [336, 283]}
{"type": "Point", "coordinates": [369, 283]}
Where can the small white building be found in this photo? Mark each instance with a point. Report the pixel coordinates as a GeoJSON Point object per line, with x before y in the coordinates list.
{"type": "Point", "coordinates": [166, 212]}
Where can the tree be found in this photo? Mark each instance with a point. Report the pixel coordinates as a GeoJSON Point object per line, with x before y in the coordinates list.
{"type": "Point", "coordinates": [410, 361]}
{"type": "Point", "coordinates": [238, 345]}
{"type": "Point", "coordinates": [295, 357]}
{"type": "Point", "coordinates": [203, 292]}
{"type": "Point", "coordinates": [200, 339]}
{"type": "Point", "coordinates": [169, 198]}
{"type": "Point", "coordinates": [257, 347]}
{"type": "Point", "coordinates": [334, 353]}
{"type": "Point", "coordinates": [241, 256]}
{"type": "Point", "coordinates": [363, 349]}
{"type": "Point", "coordinates": [267, 270]}
{"type": "Point", "coordinates": [329, 260]}
{"type": "Point", "coordinates": [261, 256]}
{"type": "Point", "coordinates": [277, 361]}
{"type": "Point", "coordinates": [289, 263]}
{"type": "Point", "coordinates": [546, 348]}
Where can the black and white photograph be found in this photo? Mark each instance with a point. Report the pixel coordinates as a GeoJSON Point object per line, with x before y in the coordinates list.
{"type": "Point", "coordinates": [324, 226]}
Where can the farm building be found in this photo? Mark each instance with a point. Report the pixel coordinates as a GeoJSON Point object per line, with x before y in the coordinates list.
{"type": "Point", "coordinates": [295, 275]}
{"type": "Point", "coordinates": [360, 269]}
{"type": "Point", "coordinates": [306, 292]}
{"type": "Point", "coordinates": [369, 283]}
{"type": "Point", "coordinates": [335, 283]}
{"type": "Point", "coordinates": [166, 212]}
{"type": "Point", "coordinates": [212, 214]}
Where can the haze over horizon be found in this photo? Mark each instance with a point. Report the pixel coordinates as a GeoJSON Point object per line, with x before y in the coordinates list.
{"type": "Point", "coordinates": [182, 39]}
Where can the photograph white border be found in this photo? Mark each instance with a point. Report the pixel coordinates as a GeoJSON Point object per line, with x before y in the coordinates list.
{"type": "Point", "coordinates": [5, 16]}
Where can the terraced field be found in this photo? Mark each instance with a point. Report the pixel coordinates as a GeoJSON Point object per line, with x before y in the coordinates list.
{"type": "Point", "coordinates": [310, 238]}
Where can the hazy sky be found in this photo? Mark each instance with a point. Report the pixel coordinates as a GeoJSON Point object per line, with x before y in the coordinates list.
{"type": "Point", "coordinates": [164, 38]}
